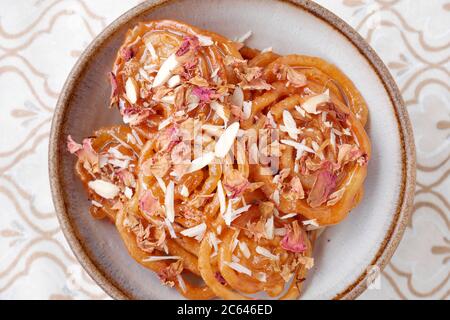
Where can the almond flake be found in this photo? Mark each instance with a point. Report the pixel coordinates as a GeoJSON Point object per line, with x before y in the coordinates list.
{"type": "Point", "coordinates": [201, 162]}
{"type": "Point", "coordinates": [164, 123]}
{"type": "Point", "coordinates": [261, 276]}
{"type": "Point", "coordinates": [301, 111]}
{"type": "Point", "coordinates": [219, 110]}
{"type": "Point", "coordinates": [160, 258]}
{"type": "Point", "coordinates": [221, 196]}
{"type": "Point", "coordinates": [165, 71]}
{"type": "Point", "coordinates": [269, 228]}
{"type": "Point", "coordinates": [97, 204]}
{"type": "Point", "coordinates": [168, 99]}
{"type": "Point", "coordinates": [104, 189]}
{"type": "Point", "coordinates": [131, 90]}
{"type": "Point", "coordinates": [266, 253]}
{"type": "Point", "coordinates": [245, 37]}
{"type": "Point", "coordinates": [128, 193]}
{"type": "Point", "coordinates": [213, 129]}
{"type": "Point", "coordinates": [237, 98]}
{"type": "Point", "coordinates": [244, 249]}
{"type": "Point", "coordinates": [184, 191]}
{"type": "Point", "coordinates": [310, 105]}
{"type": "Point", "coordinates": [174, 81]}
{"type": "Point", "coordinates": [299, 146]}
{"type": "Point", "coordinates": [287, 216]}
{"type": "Point", "coordinates": [169, 202]}
{"type": "Point", "coordinates": [204, 40]}
{"type": "Point", "coordinates": [196, 231]}
{"type": "Point", "coordinates": [226, 140]}
{"type": "Point", "coordinates": [152, 50]}
{"type": "Point", "coordinates": [311, 224]}
{"type": "Point", "coordinates": [239, 268]}
{"type": "Point", "coordinates": [161, 183]}
{"type": "Point", "coordinates": [181, 282]}
{"type": "Point", "coordinates": [170, 227]}
{"type": "Point", "coordinates": [290, 124]}
{"type": "Point", "coordinates": [247, 109]}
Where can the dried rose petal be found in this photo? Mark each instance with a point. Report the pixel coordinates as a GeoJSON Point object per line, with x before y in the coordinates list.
{"type": "Point", "coordinates": [148, 203]}
{"type": "Point", "coordinates": [204, 94]}
{"type": "Point", "coordinates": [322, 188]}
{"type": "Point", "coordinates": [72, 146]}
{"type": "Point", "coordinates": [189, 43]}
{"type": "Point", "coordinates": [235, 183]}
{"type": "Point", "coordinates": [293, 241]}
{"type": "Point", "coordinates": [168, 275]}
{"type": "Point", "coordinates": [127, 53]}
{"type": "Point", "coordinates": [127, 178]}
{"type": "Point", "coordinates": [295, 78]}
{"type": "Point", "coordinates": [220, 278]}
{"type": "Point", "coordinates": [114, 85]}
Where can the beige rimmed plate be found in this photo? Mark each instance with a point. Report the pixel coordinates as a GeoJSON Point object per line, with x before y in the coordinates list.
{"type": "Point", "coordinates": [346, 254]}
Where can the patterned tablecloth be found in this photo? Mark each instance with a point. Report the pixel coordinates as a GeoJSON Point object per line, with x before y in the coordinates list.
{"type": "Point", "coordinates": [40, 40]}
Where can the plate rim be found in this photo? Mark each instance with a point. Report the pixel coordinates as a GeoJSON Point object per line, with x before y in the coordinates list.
{"type": "Point", "coordinates": [404, 201]}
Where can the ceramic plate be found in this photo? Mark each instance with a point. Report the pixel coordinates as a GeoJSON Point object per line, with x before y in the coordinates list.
{"type": "Point", "coordinates": [345, 254]}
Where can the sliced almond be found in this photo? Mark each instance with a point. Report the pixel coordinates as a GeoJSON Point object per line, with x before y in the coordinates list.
{"type": "Point", "coordinates": [226, 140]}
{"type": "Point", "coordinates": [197, 231]}
{"type": "Point", "coordinates": [221, 196]}
{"type": "Point", "coordinates": [237, 98]}
{"type": "Point", "coordinates": [204, 40]}
{"type": "Point", "coordinates": [310, 105]}
{"type": "Point", "coordinates": [247, 109]}
{"type": "Point", "coordinates": [219, 110]}
{"type": "Point", "coordinates": [169, 202]}
{"type": "Point", "coordinates": [290, 124]}
{"type": "Point", "coordinates": [174, 81]}
{"type": "Point", "coordinates": [165, 72]}
{"type": "Point", "coordinates": [104, 189]}
{"type": "Point", "coordinates": [201, 162]}
{"type": "Point", "coordinates": [131, 90]}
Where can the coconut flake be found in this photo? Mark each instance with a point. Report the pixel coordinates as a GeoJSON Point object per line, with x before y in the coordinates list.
{"type": "Point", "coordinates": [169, 201]}
{"type": "Point", "coordinates": [310, 105]}
{"type": "Point", "coordinates": [268, 49]}
{"type": "Point", "coordinates": [239, 268]}
{"type": "Point", "coordinates": [131, 90]}
{"type": "Point", "coordinates": [104, 189]}
{"type": "Point", "coordinates": [290, 124]}
{"type": "Point", "coordinates": [226, 140]}
{"type": "Point", "coordinates": [266, 253]}
{"type": "Point", "coordinates": [201, 162]}
{"type": "Point", "coordinates": [197, 231]}
{"type": "Point", "coordinates": [165, 71]}
{"type": "Point", "coordinates": [221, 196]}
